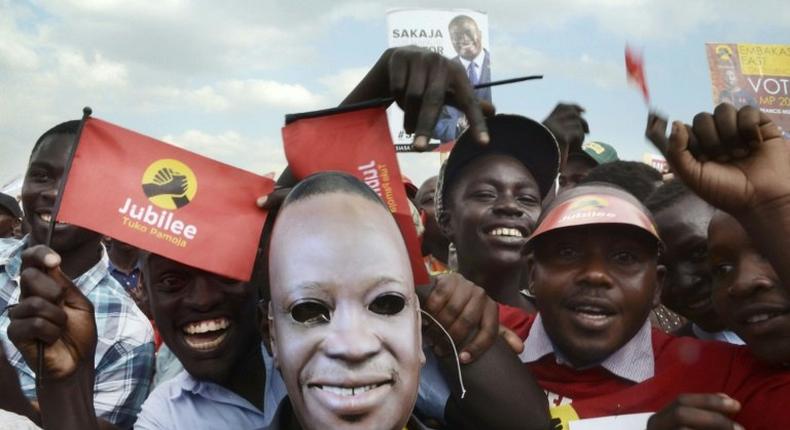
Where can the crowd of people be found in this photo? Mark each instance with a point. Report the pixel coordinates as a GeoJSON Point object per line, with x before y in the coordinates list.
{"type": "Point", "coordinates": [567, 284]}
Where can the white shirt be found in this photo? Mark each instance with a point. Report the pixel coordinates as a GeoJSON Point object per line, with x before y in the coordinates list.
{"type": "Point", "coordinates": [634, 361]}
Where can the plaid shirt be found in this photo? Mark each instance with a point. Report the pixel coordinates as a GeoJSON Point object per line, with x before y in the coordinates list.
{"type": "Point", "coordinates": [124, 352]}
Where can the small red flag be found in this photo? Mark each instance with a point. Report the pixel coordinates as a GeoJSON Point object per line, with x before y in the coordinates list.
{"type": "Point", "coordinates": [165, 200]}
{"type": "Point", "coordinates": [634, 67]}
{"type": "Point", "coordinates": [358, 143]}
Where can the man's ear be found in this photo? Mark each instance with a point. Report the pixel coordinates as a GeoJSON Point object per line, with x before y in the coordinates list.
{"type": "Point", "coordinates": [529, 272]}
{"type": "Point", "coordinates": [444, 225]}
{"type": "Point", "coordinates": [268, 331]}
{"type": "Point", "coordinates": [661, 272]}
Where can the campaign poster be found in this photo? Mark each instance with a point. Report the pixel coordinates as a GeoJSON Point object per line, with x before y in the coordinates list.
{"type": "Point", "coordinates": [751, 74]}
{"type": "Point", "coordinates": [458, 34]}
{"type": "Point", "coordinates": [656, 161]}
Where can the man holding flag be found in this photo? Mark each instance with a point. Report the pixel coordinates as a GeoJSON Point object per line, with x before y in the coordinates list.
{"type": "Point", "coordinates": [198, 336]}
{"type": "Point", "coordinates": [124, 355]}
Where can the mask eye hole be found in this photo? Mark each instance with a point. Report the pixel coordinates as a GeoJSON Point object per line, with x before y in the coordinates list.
{"type": "Point", "coordinates": [310, 312]}
{"type": "Point", "coordinates": [388, 304]}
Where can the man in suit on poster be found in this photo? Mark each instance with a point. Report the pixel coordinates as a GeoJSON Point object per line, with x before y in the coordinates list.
{"type": "Point", "coordinates": [476, 60]}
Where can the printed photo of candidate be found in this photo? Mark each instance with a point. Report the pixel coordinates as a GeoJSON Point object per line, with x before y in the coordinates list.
{"type": "Point", "coordinates": [467, 40]}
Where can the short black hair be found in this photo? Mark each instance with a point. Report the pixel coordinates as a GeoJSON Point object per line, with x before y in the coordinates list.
{"type": "Point", "coordinates": [667, 195]}
{"type": "Point", "coordinates": [421, 190]}
{"type": "Point", "coordinates": [459, 19]}
{"type": "Point", "coordinates": [637, 178]}
{"type": "Point", "coordinates": [331, 182]}
{"type": "Point", "coordinates": [69, 128]}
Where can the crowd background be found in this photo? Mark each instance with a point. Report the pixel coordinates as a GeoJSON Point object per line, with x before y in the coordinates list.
{"type": "Point", "coordinates": [223, 92]}
{"type": "Point", "coordinates": [748, 179]}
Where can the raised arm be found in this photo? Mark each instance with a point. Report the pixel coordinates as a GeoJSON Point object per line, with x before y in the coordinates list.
{"type": "Point", "coordinates": [738, 161]}
{"type": "Point", "coordinates": [53, 311]}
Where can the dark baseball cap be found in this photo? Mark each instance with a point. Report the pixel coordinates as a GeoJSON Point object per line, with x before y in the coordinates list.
{"type": "Point", "coordinates": [526, 140]}
{"type": "Point", "coordinates": [11, 205]}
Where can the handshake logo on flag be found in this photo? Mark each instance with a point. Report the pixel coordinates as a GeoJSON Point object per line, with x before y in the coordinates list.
{"type": "Point", "coordinates": [169, 184]}
{"type": "Point", "coordinates": [151, 199]}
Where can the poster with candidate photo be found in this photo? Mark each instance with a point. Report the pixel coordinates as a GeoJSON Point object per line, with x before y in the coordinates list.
{"type": "Point", "coordinates": [750, 74]}
{"type": "Point", "coordinates": [458, 34]}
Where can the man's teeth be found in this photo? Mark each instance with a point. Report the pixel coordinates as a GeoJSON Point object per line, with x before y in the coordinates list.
{"type": "Point", "coordinates": [46, 217]}
{"type": "Point", "coordinates": [502, 231]}
{"type": "Point", "coordinates": [343, 391]}
{"type": "Point", "coordinates": [205, 345]}
{"type": "Point", "coordinates": [759, 318]}
{"type": "Point", "coordinates": [206, 326]}
{"type": "Point", "coordinates": [591, 311]}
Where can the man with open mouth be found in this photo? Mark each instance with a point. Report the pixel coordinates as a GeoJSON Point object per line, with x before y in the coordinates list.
{"type": "Point", "coordinates": [488, 201]}
{"type": "Point", "coordinates": [369, 367]}
{"type": "Point", "coordinates": [125, 354]}
{"type": "Point", "coordinates": [595, 273]}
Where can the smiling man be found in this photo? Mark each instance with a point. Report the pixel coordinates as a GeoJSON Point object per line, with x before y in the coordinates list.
{"type": "Point", "coordinates": [124, 355]}
{"type": "Point", "coordinates": [10, 216]}
{"type": "Point", "coordinates": [748, 293]}
{"type": "Point", "coordinates": [467, 40]}
{"type": "Point", "coordinates": [682, 219]}
{"type": "Point", "coordinates": [209, 323]}
{"type": "Point", "coordinates": [596, 276]}
{"type": "Point", "coordinates": [489, 199]}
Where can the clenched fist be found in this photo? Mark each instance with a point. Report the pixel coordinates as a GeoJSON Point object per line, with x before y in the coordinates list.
{"type": "Point", "coordinates": [52, 310]}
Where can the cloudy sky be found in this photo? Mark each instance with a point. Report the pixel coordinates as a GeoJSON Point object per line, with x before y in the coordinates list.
{"type": "Point", "coordinates": [217, 77]}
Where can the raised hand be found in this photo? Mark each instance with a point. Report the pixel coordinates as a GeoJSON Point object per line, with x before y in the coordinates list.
{"type": "Point", "coordinates": [569, 127]}
{"type": "Point", "coordinates": [52, 310]}
{"type": "Point", "coordinates": [468, 314]}
{"type": "Point", "coordinates": [697, 412]}
{"type": "Point", "coordinates": [737, 160]}
{"type": "Point", "coordinates": [422, 82]}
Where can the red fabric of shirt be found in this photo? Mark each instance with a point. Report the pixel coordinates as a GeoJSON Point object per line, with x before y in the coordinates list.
{"type": "Point", "coordinates": [683, 365]}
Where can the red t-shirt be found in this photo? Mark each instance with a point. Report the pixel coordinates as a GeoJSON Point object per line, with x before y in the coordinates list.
{"type": "Point", "coordinates": [516, 319]}
{"type": "Point", "coordinates": [683, 365]}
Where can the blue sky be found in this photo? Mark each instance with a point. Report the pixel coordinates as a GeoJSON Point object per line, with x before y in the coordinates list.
{"type": "Point", "coordinates": [217, 77]}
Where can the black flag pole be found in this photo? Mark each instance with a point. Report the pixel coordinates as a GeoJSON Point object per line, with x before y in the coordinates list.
{"type": "Point", "coordinates": [86, 112]}
{"type": "Point", "coordinates": [289, 118]}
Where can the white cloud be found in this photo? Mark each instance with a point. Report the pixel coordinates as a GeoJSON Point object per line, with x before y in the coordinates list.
{"type": "Point", "coordinates": [242, 64]}
{"type": "Point", "coordinates": [98, 72]}
{"type": "Point", "coordinates": [521, 60]}
{"type": "Point", "coordinates": [271, 93]}
{"type": "Point", "coordinates": [259, 155]}
{"type": "Point", "coordinates": [341, 83]}
{"type": "Point", "coordinates": [238, 95]}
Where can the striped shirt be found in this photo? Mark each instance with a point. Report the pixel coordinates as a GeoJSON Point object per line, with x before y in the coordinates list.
{"type": "Point", "coordinates": [634, 361]}
{"type": "Point", "coordinates": [124, 357]}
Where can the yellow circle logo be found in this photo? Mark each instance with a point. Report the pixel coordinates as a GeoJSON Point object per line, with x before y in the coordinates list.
{"type": "Point", "coordinates": [169, 184]}
{"type": "Point", "coordinates": [724, 52]}
{"type": "Point", "coordinates": [588, 203]}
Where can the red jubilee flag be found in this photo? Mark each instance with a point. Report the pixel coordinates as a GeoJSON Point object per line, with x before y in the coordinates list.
{"type": "Point", "coordinates": [634, 67]}
{"type": "Point", "coordinates": [358, 143]}
{"type": "Point", "coordinates": [164, 199]}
